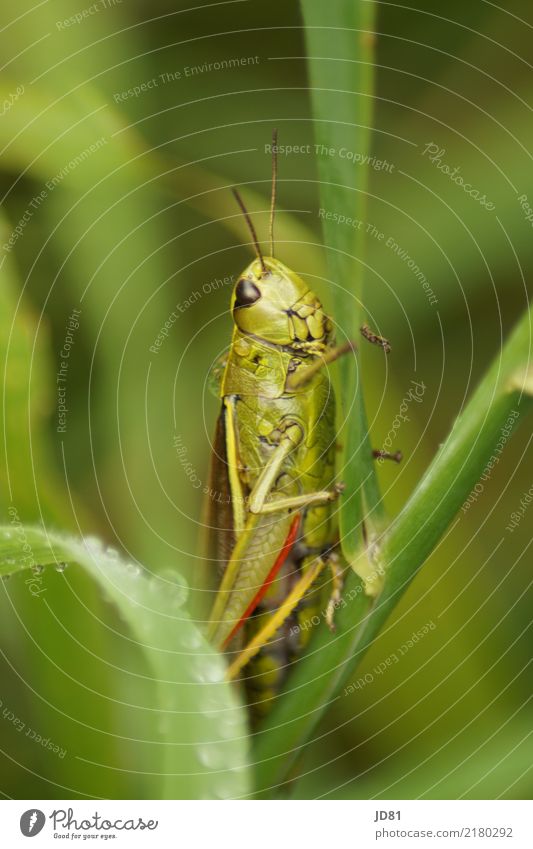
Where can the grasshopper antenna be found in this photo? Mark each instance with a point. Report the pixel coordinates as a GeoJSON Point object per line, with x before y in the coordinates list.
{"type": "Point", "coordinates": [274, 187]}
{"type": "Point", "coordinates": [251, 227]}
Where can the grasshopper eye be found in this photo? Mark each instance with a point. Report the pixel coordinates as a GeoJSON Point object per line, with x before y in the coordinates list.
{"type": "Point", "coordinates": [246, 293]}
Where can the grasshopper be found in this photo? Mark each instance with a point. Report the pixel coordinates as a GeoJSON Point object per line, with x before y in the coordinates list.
{"type": "Point", "coordinates": [273, 461]}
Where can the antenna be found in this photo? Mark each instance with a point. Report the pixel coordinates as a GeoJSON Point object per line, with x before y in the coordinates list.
{"type": "Point", "coordinates": [251, 227]}
{"type": "Point", "coordinates": [274, 187]}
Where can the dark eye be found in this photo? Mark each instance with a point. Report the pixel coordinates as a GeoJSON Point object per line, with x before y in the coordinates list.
{"type": "Point", "coordinates": [246, 293]}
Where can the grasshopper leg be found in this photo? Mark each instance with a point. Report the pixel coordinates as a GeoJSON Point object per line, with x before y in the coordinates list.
{"type": "Point", "coordinates": [290, 438]}
{"type": "Point", "coordinates": [297, 502]}
{"type": "Point", "coordinates": [375, 339]}
{"type": "Point", "coordinates": [277, 619]}
{"type": "Point", "coordinates": [379, 454]}
{"type": "Point", "coordinates": [337, 583]}
{"type": "Point", "coordinates": [305, 374]}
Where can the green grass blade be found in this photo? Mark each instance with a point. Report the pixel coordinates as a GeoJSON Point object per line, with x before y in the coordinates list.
{"type": "Point", "coordinates": [476, 439]}
{"type": "Point", "coordinates": [26, 381]}
{"type": "Point", "coordinates": [341, 96]}
{"type": "Point", "coordinates": [473, 447]}
{"type": "Point", "coordinates": [203, 754]}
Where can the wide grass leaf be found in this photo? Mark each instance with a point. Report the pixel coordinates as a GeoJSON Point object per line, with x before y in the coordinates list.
{"type": "Point", "coordinates": [197, 722]}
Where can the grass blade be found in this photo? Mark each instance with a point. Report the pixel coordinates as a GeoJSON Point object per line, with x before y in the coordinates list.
{"type": "Point", "coordinates": [502, 399]}
{"type": "Point", "coordinates": [341, 96]}
{"type": "Point", "coordinates": [203, 728]}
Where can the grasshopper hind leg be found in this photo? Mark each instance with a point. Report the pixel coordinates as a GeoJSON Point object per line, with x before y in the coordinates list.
{"type": "Point", "coordinates": [278, 631]}
{"type": "Point", "coordinates": [267, 668]}
{"type": "Point", "coordinates": [311, 609]}
{"type": "Point", "coordinates": [265, 672]}
{"type": "Point", "coordinates": [337, 582]}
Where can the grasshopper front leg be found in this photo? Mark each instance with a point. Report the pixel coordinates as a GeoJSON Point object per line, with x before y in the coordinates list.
{"type": "Point", "coordinates": [305, 374]}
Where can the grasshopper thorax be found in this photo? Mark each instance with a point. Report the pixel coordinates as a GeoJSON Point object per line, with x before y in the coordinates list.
{"type": "Point", "coordinates": [272, 303]}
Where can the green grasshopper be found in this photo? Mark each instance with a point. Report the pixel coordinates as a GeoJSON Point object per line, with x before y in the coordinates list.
{"type": "Point", "coordinates": [273, 460]}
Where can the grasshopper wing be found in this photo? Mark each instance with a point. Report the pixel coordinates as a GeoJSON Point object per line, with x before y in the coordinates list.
{"type": "Point", "coordinates": [218, 537]}
{"type": "Point", "coordinates": [260, 552]}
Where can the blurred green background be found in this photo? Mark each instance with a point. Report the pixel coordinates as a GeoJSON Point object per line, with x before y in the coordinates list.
{"type": "Point", "coordinates": [120, 136]}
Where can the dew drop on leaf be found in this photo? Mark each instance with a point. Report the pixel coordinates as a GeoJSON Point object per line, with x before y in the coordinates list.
{"type": "Point", "coordinates": [191, 639]}
{"type": "Point", "coordinates": [173, 587]}
{"type": "Point", "coordinates": [211, 756]}
{"type": "Point", "coordinates": [229, 788]}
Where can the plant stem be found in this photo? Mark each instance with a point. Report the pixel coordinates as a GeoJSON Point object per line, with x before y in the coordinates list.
{"type": "Point", "coordinates": [341, 96]}
{"type": "Point", "coordinates": [475, 442]}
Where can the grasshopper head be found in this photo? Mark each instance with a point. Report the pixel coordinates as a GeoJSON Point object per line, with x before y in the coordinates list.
{"type": "Point", "coordinates": [274, 304]}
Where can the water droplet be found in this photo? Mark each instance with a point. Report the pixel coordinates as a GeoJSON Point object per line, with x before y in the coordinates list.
{"type": "Point", "coordinates": [111, 553]}
{"type": "Point", "coordinates": [211, 707]}
{"type": "Point", "coordinates": [212, 756]}
{"type": "Point", "coordinates": [229, 726]}
{"type": "Point", "coordinates": [38, 569]}
{"type": "Point", "coordinates": [208, 671]}
{"type": "Point", "coordinates": [228, 789]}
{"type": "Point", "coordinates": [60, 567]}
{"type": "Point", "coordinates": [169, 574]}
{"type": "Point", "coordinates": [93, 545]}
{"type": "Point", "coordinates": [191, 639]}
{"type": "Point", "coordinates": [106, 595]}
{"type": "Point", "coordinates": [173, 587]}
